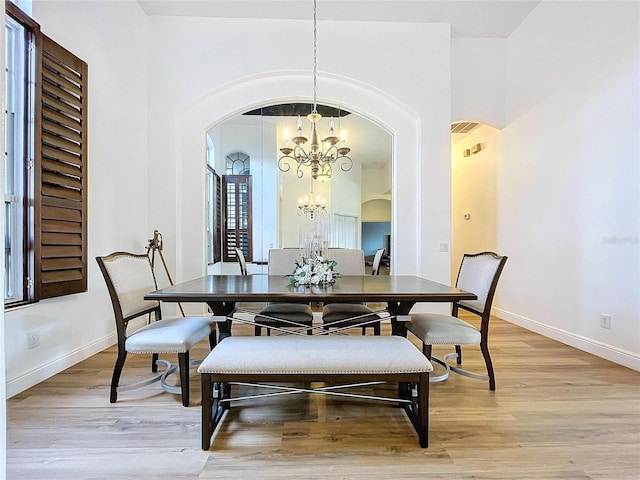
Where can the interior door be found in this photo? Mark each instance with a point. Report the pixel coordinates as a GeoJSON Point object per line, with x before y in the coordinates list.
{"type": "Point", "coordinates": [345, 232]}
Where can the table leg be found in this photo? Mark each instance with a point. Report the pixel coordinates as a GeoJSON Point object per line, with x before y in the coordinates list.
{"type": "Point", "coordinates": [400, 329]}
{"type": "Point", "coordinates": [399, 308]}
{"type": "Point", "coordinates": [223, 309]}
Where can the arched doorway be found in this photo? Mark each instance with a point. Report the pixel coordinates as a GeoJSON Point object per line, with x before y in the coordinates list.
{"type": "Point", "coordinates": [400, 121]}
{"type": "Point", "coordinates": [278, 187]}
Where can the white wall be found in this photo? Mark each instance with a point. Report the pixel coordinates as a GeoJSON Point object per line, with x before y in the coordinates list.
{"type": "Point", "coordinates": [376, 211]}
{"type": "Point", "coordinates": [3, 375]}
{"type": "Point", "coordinates": [112, 38]}
{"type": "Point", "coordinates": [568, 184]}
{"type": "Point", "coordinates": [186, 95]}
{"type": "Point", "coordinates": [376, 183]}
{"type": "Point", "coordinates": [478, 80]}
{"type": "Point", "coordinates": [257, 139]}
{"type": "Point", "coordinates": [473, 192]}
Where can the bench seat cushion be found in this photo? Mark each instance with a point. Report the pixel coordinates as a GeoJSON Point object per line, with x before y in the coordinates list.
{"type": "Point", "coordinates": [318, 354]}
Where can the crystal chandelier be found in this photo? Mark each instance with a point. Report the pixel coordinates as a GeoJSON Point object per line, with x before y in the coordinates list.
{"type": "Point", "coordinates": [321, 155]}
{"type": "Point", "coordinates": [312, 206]}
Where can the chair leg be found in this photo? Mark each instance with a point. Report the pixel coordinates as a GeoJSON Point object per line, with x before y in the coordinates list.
{"type": "Point", "coordinates": [183, 362]}
{"type": "Point", "coordinates": [487, 360]}
{"type": "Point", "coordinates": [427, 349]}
{"type": "Point", "coordinates": [257, 331]}
{"type": "Point", "coordinates": [213, 341]}
{"type": "Point", "coordinates": [376, 329]}
{"type": "Point", "coordinates": [154, 360]}
{"type": "Point", "coordinates": [459, 354]}
{"type": "Point", "coordinates": [117, 370]}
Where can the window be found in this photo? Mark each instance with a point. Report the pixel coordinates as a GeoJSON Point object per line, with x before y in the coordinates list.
{"type": "Point", "coordinates": [18, 160]}
{"type": "Point", "coordinates": [238, 231]}
{"type": "Point", "coordinates": [238, 223]}
{"type": "Point", "coordinates": [45, 165]}
{"type": "Point", "coordinates": [238, 163]}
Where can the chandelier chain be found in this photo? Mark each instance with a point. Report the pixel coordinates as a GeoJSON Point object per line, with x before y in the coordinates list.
{"type": "Point", "coordinates": [315, 56]}
{"type": "Point", "coordinates": [322, 154]}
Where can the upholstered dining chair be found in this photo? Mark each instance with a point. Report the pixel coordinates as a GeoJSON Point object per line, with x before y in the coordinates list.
{"type": "Point", "coordinates": [348, 315]}
{"type": "Point", "coordinates": [479, 274]}
{"type": "Point", "coordinates": [283, 315]}
{"type": "Point", "coordinates": [242, 262]}
{"type": "Point", "coordinates": [129, 277]}
{"type": "Point", "coordinates": [377, 260]}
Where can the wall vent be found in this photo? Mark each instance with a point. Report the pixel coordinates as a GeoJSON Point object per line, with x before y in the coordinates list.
{"type": "Point", "coordinates": [463, 127]}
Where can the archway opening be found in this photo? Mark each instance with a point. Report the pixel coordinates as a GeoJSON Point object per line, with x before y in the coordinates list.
{"type": "Point", "coordinates": [268, 211]}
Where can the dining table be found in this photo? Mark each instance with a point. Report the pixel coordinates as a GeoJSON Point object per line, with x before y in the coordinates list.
{"type": "Point", "coordinates": [400, 293]}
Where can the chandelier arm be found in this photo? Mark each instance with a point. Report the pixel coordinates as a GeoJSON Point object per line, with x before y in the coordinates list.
{"type": "Point", "coordinates": [284, 166]}
{"type": "Point", "coordinates": [349, 165]}
{"type": "Point", "coordinates": [301, 156]}
{"type": "Point", "coordinates": [331, 155]}
{"type": "Point", "coordinates": [299, 170]}
{"type": "Point", "coordinates": [329, 173]}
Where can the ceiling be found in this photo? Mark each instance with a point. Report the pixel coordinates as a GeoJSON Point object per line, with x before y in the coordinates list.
{"type": "Point", "coordinates": [468, 18]}
{"type": "Point", "coordinates": [370, 144]}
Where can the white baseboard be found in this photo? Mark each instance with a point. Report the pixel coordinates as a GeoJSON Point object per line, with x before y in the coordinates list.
{"type": "Point", "coordinates": [48, 370]}
{"type": "Point", "coordinates": [603, 350]}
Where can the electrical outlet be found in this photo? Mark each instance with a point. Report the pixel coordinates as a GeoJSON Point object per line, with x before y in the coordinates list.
{"type": "Point", "coordinates": [605, 321]}
{"type": "Point", "coordinates": [444, 247]}
{"type": "Point", "coordinates": [33, 340]}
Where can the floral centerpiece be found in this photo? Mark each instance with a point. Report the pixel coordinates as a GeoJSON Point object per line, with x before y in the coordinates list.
{"type": "Point", "coordinates": [313, 271]}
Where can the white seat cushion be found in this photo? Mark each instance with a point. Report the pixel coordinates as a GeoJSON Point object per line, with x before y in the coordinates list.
{"type": "Point", "coordinates": [438, 329]}
{"type": "Point", "coordinates": [315, 355]}
{"type": "Point", "coordinates": [170, 335]}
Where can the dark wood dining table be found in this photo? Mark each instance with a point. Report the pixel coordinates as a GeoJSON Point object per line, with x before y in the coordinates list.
{"type": "Point", "coordinates": [222, 292]}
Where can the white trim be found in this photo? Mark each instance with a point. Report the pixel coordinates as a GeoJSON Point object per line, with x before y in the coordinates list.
{"type": "Point", "coordinates": [48, 370]}
{"type": "Point", "coordinates": [389, 113]}
{"type": "Point", "coordinates": [585, 344]}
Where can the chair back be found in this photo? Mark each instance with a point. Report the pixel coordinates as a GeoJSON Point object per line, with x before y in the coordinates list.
{"type": "Point", "coordinates": [282, 260]}
{"type": "Point", "coordinates": [241, 261]}
{"type": "Point", "coordinates": [129, 277]}
{"type": "Point", "coordinates": [350, 261]}
{"type": "Point", "coordinates": [479, 274]}
{"type": "Point", "coordinates": [377, 259]}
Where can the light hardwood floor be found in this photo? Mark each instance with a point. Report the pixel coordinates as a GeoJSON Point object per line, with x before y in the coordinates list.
{"type": "Point", "coordinates": [557, 413]}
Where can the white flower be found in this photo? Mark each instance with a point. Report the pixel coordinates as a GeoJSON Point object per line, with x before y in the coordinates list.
{"type": "Point", "coordinates": [316, 271]}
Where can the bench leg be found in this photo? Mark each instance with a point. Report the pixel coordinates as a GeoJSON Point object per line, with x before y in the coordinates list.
{"type": "Point", "coordinates": [207, 410]}
{"type": "Point", "coordinates": [423, 410]}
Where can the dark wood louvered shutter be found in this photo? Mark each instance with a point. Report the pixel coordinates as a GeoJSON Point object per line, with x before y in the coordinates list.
{"type": "Point", "coordinates": [60, 180]}
{"type": "Point", "coordinates": [217, 223]}
{"type": "Point", "coordinates": [238, 222]}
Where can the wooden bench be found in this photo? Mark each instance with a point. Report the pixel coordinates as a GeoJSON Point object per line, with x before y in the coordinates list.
{"type": "Point", "coordinates": [320, 358]}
